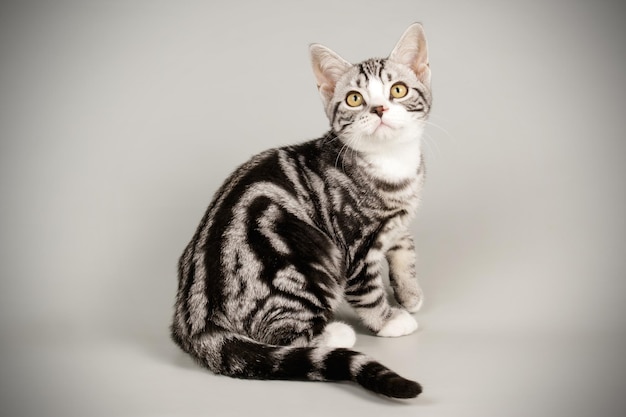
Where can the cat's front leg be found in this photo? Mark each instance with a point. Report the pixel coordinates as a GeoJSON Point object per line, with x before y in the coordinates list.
{"type": "Point", "coordinates": [403, 275]}
{"type": "Point", "coordinates": [366, 293]}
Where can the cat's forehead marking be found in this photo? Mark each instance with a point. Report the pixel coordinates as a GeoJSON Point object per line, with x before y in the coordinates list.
{"type": "Point", "coordinates": [380, 69]}
{"type": "Point", "coordinates": [372, 68]}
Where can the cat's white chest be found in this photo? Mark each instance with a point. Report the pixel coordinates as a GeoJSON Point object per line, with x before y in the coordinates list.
{"type": "Point", "coordinates": [397, 163]}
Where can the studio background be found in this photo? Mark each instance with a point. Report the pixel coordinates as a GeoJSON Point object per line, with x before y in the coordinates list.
{"type": "Point", "coordinates": [119, 120]}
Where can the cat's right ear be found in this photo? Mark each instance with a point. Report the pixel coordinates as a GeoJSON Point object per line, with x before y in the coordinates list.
{"type": "Point", "coordinates": [412, 51]}
{"type": "Point", "coordinates": [328, 67]}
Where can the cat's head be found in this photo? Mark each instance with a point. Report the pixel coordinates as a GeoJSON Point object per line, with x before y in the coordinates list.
{"type": "Point", "coordinates": [377, 102]}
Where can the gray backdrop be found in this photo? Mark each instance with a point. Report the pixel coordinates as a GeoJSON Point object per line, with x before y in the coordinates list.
{"type": "Point", "coordinates": [119, 119]}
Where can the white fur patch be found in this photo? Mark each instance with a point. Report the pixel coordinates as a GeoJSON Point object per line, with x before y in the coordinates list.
{"type": "Point", "coordinates": [395, 161]}
{"type": "Point", "coordinates": [358, 362]}
{"type": "Point", "coordinates": [339, 335]}
{"type": "Point", "coordinates": [376, 91]}
{"type": "Point", "coordinates": [400, 324]}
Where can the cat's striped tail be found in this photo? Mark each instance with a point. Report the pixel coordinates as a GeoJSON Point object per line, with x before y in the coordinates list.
{"type": "Point", "coordinates": [241, 357]}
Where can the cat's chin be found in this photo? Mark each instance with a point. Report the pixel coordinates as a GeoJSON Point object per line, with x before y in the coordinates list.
{"type": "Point", "coordinates": [386, 135]}
{"type": "Point", "coordinates": [383, 138]}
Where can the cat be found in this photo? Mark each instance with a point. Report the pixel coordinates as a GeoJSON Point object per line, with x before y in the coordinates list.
{"type": "Point", "coordinates": [296, 230]}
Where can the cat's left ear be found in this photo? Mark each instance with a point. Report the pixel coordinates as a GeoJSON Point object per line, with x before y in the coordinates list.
{"type": "Point", "coordinates": [328, 67]}
{"type": "Point", "coordinates": [412, 51]}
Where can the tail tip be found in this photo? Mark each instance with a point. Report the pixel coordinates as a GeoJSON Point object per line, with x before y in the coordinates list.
{"type": "Point", "coordinates": [380, 379]}
{"type": "Point", "coordinates": [404, 388]}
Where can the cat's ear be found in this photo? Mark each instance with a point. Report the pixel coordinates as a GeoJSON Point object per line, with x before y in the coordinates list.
{"type": "Point", "coordinates": [412, 51]}
{"type": "Point", "coordinates": [328, 67]}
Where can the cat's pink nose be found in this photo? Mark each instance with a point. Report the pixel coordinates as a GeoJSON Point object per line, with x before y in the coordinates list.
{"type": "Point", "coordinates": [379, 110]}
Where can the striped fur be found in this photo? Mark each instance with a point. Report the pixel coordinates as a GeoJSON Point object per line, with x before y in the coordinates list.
{"type": "Point", "coordinates": [296, 230]}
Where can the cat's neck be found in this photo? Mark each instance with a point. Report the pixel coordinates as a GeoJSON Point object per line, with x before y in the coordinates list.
{"type": "Point", "coordinates": [394, 163]}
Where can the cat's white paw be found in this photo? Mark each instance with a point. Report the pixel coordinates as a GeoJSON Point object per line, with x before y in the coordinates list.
{"type": "Point", "coordinates": [339, 335]}
{"type": "Point", "coordinates": [400, 324]}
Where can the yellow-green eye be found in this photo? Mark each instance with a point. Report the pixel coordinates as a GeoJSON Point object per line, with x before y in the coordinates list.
{"type": "Point", "coordinates": [399, 90]}
{"type": "Point", "coordinates": [354, 99]}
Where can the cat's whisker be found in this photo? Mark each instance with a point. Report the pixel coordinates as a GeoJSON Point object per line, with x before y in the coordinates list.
{"type": "Point", "coordinates": [329, 137]}
{"type": "Point", "coordinates": [441, 128]}
{"type": "Point", "coordinates": [354, 144]}
{"type": "Point", "coordinates": [430, 143]}
{"type": "Point", "coordinates": [343, 149]}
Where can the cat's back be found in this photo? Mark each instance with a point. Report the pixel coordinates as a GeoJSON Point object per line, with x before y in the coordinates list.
{"type": "Point", "coordinates": [268, 173]}
{"type": "Point", "coordinates": [280, 174]}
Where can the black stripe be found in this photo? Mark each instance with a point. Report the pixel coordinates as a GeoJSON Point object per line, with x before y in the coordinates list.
{"type": "Point", "coordinates": [337, 365]}
{"type": "Point", "coordinates": [368, 277]}
{"type": "Point", "coordinates": [304, 166]}
{"type": "Point", "coordinates": [359, 290]}
{"type": "Point", "coordinates": [378, 301]}
{"type": "Point", "coordinates": [362, 71]}
{"type": "Point", "coordinates": [404, 243]}
{"type": "Point", "coordinates": [395, 247]}
{"type": "Point", "coordinates": [343, 123]}
{"type": "Point", "coordinates": [335, 110]}
{"type": "Point", "coordinates": [421, 94]}
{"type": "Point", "coordinates": [296, 364]}
{"type": "Point", "coordinates": [392, 187]}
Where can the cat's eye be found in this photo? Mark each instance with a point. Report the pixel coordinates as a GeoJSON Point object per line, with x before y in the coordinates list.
{"type": "Point", "coordinates": [354, 99]}
{"type": "Point", "coordinates": [399, 90]}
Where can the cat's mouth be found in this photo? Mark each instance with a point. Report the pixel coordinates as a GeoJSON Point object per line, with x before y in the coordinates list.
{"type": "Point", "coordinates": [383, 125]}
{"type": "Point", "coordinates": [383, 128]}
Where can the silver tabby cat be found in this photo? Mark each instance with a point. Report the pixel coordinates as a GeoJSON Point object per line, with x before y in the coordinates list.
{"type": "Point", "coordinates": [296, 230]}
